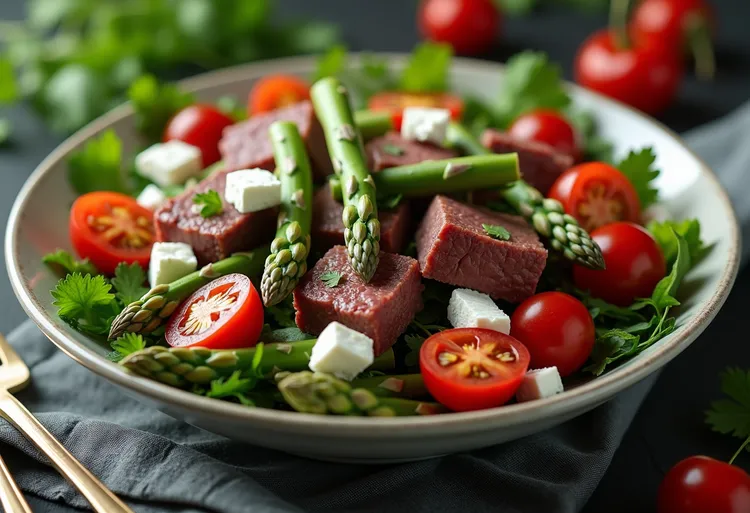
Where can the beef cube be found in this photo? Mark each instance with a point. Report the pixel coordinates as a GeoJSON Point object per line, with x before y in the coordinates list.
{"type": "Point", "coordinates": [453, 248]}
{"type": "Point", "coordinates": [392, 150]}
{"type": "Point", "coordinates": [216, 237]}
{"type": "Point", "coordinates": [328, 228]}
{"type": "Point", "coordinates": [381, 309]}
{"type": "Point", "coordinates": [540, 163]}
{"type": "Point", "coordinates": [247, 145]}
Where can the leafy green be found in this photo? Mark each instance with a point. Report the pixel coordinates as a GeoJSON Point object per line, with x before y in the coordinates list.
{"type": "Point", "coordinates": [390, 202]}
{"type": "Point", "coordinates": [128, 282]}
{"type": "Point", "coordinates": [639, 168]}
{"type": "Point", "coordinates": [234, 386]}
{"type": "Point", "coordinates": [331, 278]}
{"type": "Point", "coordinates": [496, 232]}
{"type": "Point", "coordinates": [154, 104]}
{"type": "Point", "coordinates": [5, 130]}
{"type": "Point", "coordinates": [232, 107]}
{"type": "Point", "coordinates": [282, 314]}
{"type": "Point", "coordinates": [689, 229]}
{"type": "Point", "coordinates": [288, 335]}
{"type": "Point", "coordinates": [732, 415]}
{"type": "Point", "coordinates": [594, 146]}
{"type": "Point", "coordinates": [331, 64]}
{"type": "Point", "coordinates": [427, 68]}
{"type": "Point", "coordinates": [125, 345]}
{"type": "Point", "coordinates": [414, 343]}
{"type": "Point", "coordinates": [393, 149]}
{"type": "Point", "coordinates": [97, 166]}
{"type": "Point", "coordinates": [85, 302]}
{"type": "Point", "coordinates": [209, 202]}
{"type": "Point", "coordinates": [516, 7]}
{"type": "Point", "coordinates": [62, 263]}
{"type": "Point", "coordinates": [73, 96]}
{"type": "Point", "coordinates": [8, 86]}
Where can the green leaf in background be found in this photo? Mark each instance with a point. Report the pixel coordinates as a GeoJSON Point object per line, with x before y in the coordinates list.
{"type": "Point", "coordinates": [516, 7]}
{"type": "Point", "coordinates": [8, 86]}
{"type": "Point", "coordinates": [73, 96]}
{"type": "Point", "coordinates": [689, 229]}
{"type": "Point", "coordinates": [155, 103]}
{"type": "Point", "coordinates": [232, 107]}
{"type": "Point", "coordinates": [97, 166]}
{"type": "Point", "coordinates": [595, 147]}
{"type": "Point", "coordinates": [639, 168]}
{"type": "Point", "coordinates": [331, 64]}
{"type": "Point", "coordinates": [5, 130]}
{"type": "Point", "coordinates": [427, 69]}
{"type": "Point", "coordinates": [732, 415]}
{"type": "Point", "coordinates": [63, 263]}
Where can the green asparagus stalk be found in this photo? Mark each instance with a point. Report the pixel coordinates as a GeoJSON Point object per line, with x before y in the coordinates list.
{"type": "Point", "coordinates": [373, 124]}
{"type": "Point", "coordinates": [315, 392]}
{"type": "Point", "coordinates": [186, 366]}
{"type": "Point", "coordinates": [360, 217]}
{"type": "Point", "coordinates": [443, 176]}
{"type": "Point", "coordinates": [409, 386]}
{"type": "Point", "coordinates": [154, 308]}
{"type": "Point", "coordinates": [461, 139]}
{"type": "Point", "coordinates": [287, 262]}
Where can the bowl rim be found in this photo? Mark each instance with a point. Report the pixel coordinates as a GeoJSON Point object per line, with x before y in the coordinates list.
{"type": "Point", "coordinates": [581, 397]}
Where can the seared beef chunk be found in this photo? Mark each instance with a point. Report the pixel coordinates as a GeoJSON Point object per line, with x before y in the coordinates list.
{"type": "Point", "coordinates": [392, 150]}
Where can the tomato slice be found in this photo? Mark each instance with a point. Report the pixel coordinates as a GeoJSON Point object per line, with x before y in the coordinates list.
{"type": "Point", "coordinates": [472, 368]}
{"type": "Point", "coordinates": [596, 194]}
{"type": "Point", "coordinates": [396, 101]}
{"type": "Point", "coordinates": [109, 228]}
{"type": "Point", "coordinates": [224, 314]}
{"type": "Point", "coordinates": [276, 91]}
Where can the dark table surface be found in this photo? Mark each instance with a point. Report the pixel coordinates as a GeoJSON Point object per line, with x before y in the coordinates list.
{"type": "Point", "coordinates": [670, 424]}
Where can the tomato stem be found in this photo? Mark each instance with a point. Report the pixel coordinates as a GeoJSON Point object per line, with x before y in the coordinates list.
{"type": "Point", "coordinates": [701, 45]}
{"type": "Point", "coordinates": [737, 453]}
{"type": "Point", "coordinates": [618, 22]}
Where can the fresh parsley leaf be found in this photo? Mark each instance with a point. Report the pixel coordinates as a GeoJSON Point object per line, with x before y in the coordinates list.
{"type": "Point", "coordinates": [98, 165]}
{"type": "Point", "coordinates": [5, 130]}
{"type": "Point", "coordinates": [414, 342]}
{"type": "Point", "coordinates": [496, 232]}
{"type": "Point", "coordinates": [732, 415]}
{"type": "Point", "coordinates": [127, 344]}
{"type": "Point", "coordinates": [282, 314]}
{"type": "Point", "coordinates": [689, 229]}
{"type": "Point", "coordinates": [331, 64]}
{"type": "Point", "coordinates": [210, 203]}
{"type": "Point", "coordinates": [85, 302]}
{"type": "Point", "coordinates": [604, 312]}
{"type": "Point", "coordinates": [331, 278]}
{"type": "Point", "coordinates": [427, 69]}
{"type": "Point", "coordinates": [609, 347]}
{"type": "Point", "coordinates": [389, 202]}
{"type": "Point", "coordinates": [8, 85]}
{"type": "Point", "coordinates": [233, 386]}
{"type": "Point", "coordinates": [393, 149]}
{"type": "Point", "coordinates": [154, 104]}
{"type": "Point", "coordinates": [665, 291]}
{"type": "Point", "coordinates": [128, 282]}
{"type": "Point", "coordinates": [230, 106]}
{"type": "Point", "coordinates": [530, 82]}
{"type": "Point", "coordinates": [62, 264]}
{"type": "Point", "coordinates": [288, 335]}
{"type": "Point", "coordinates": [638, 167]}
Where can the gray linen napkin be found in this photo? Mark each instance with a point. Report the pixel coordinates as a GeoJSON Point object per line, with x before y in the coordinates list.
{"type": "Point", "coordinates": [159, 464]}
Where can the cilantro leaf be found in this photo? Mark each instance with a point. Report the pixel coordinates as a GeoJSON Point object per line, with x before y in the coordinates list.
{"type": "Point", "coordinates": [127, 344]}
{"type": "Point", "coordinates": [609, 347]}
{"type": "Point", "coordinates": [414, 342]}
{"type": "Point", "coordinates": [331, 278]}
{"type": "Point", "coordinates": [330, 64]}
{"type": "Point", "coordinates": [155, 104]}
{"type": "Point", "coordinates": [8, 85]}
{"type": "Point", "coordinates": [233, 386]}
{"type": "Point", "coordinates": [282, 314]}
{"type": "Point", "coordinates": [689, 229]}
{"type": "Point", "coordinates": [427, 69]}
{"type": "Point", "coordinates": [62, 263]}
{"type": "Point", "coordinates": [496, 232]}
{"type": "Point", "coordinates": [638, 167]}
{"type": "Point", "coordinates": [5, 130]}
{"type": "Point", "coordinates": [128, 282]}
{"type": "Point", "coordinates": [97, 166]}
{"type": "Point", "coordinates": [732, 415]}
{"type": "Point", "coordinates": [209, 202]}
{"type": "Point", "coordinates": [85, 302]}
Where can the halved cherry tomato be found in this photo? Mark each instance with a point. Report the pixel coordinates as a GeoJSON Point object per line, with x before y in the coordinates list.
{"type": "Point", "coordinates": [396, 101]}
{"type": "Point", "coordinates": [276, 91]}
{"type": "Point", "coordinates": [596, 194]}
{"type": "Point", "coordinates": [469, 26]}
{"type": "Point", "coordinates": [557, 329]}
{"type": "Point", "coordinates": [109, 228]}
{"type": "Point", "coordinates": [224, 314]}
{"type": "Point", "coordinates": [472, 368]}
{"type": "Point", "coordinates": [634, 261]}
{"type": "Point", "coordinates": [548, 127]}
{"type": "Point", "coordinates": [202, 126]}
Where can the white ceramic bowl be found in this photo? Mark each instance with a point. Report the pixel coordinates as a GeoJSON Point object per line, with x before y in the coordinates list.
{"type": "Point", "coordinates": [38, 224]}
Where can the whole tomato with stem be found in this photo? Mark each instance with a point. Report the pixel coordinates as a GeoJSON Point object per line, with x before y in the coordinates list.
{"type": "Point", "coordinates": [469, 26]}
{"type": "Point", "coordinates": [548, 127]}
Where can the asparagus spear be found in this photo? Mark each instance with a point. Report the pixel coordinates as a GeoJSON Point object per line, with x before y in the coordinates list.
{"type": "Point", "coordinates": [461, 139]}
{"type": "Point", "coordinates": [400, 385]}
{"type": "Point", "coordinates": [320, 393]}
{"type": "Point", "coordinates": [288, 259]}
{"type": "Point", "coordinates": [361, 225]}
{"type": "Point", "coordinates": [155, 307]}
{"type": "Point", "coordinates": [185, 366]}
{"type": "Point", "coordinates": [373, 124]}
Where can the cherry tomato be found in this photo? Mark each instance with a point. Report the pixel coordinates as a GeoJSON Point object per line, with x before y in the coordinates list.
{"type": "Point", "coordinates": [634, 261]}
{"type": "Point", "coordinates": [700, 484]}
{"type": "Point", "coordinates": [645, 75]}
{"type": "Point", "coordinates": [596, 194]}
{"type": "Point", "coordinates": [472, 368]}
{"type": "Point", "coordinates": [109, 228]}
{"type": "Point", "coordinates": [548, 127]}
{"type": "Point", "coordinates": [201, 126]}
{"type": "Point", "coordinates": [395, 102]}
{"type": "Point", "coordinates": [276, 91]}
{"type": "Point", "coordinates": [226, 313]}
{"type": "Point", "coordinates": [469, 26]}
{"type": "Point", "coordinates": [557, 329]}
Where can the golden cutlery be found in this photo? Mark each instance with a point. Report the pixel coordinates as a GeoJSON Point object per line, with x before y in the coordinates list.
{"type": "Point", "coordinates": [11, 498]}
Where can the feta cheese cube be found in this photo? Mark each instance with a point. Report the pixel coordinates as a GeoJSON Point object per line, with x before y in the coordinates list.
{"type": "Point", "coordinates": [170, 261]}
{"type": "Point", "coordinates": [169, 163]}
{"type": "Point", "coordinates": [252, 190]}
{"type": "Point", "coordinates": [425, 124]}
{"type": "Point", "coordinates": [471, 309]}
{"type": "Point", "coordinates": [151, 197]}
{"type": "Point", "coordinates": [539, 384]}
{"type": "Point", "coordinates": [341, 351]}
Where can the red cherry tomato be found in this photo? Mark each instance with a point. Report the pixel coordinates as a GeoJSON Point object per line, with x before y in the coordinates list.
{"type": "Point", "coordinates": [276, 91]}
{"type": "Point", "coordinates": [549, 127]}
{"type": "Point", "coordinates": [109, 228]}
{"type": "Point", "coordinates": [596, 194]}
{"type": "Point", "coordinates": [226, 313]}
{"type": "Point", "coordinates": [472, 368]}
{"type": "Point", "coordinates": [395, 102]}
{"type": "Point", "coordinates": [201, 126]}
{"type": "Point", "coordinates": [469, 26]}
{"type": "Point", "coordinates": [646, 75]}
{"type": "Point", "coordinates": [557, 329]}
{"type": "Point", "coordinates": [700, 484]}
{"type": "Point", "coordinates": [634, 261]}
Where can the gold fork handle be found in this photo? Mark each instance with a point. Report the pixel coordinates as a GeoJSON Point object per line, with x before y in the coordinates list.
{"type": "Point", "coordinates": [11, 498]}
{"type": "Point", "coordinates": [102, 500]}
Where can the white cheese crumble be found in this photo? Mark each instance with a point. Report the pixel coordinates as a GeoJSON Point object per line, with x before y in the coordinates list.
{"type": "Point", "coordinates": [170, 261]}
{"type": "Point", "coordinates": [425, 124]}
{"type": "Point", "coordinates": [539, 384]}
{"type": "Point", "coordinates": [471, 309]}
{"type": "Point", "coordinates": [342, 351]}
{"type": "Point", "coordinates": [169, 163]}
{"type": "Point", "coordinates": [151, 197]}
{"type": "Point", "coordinates": [252, 190]}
